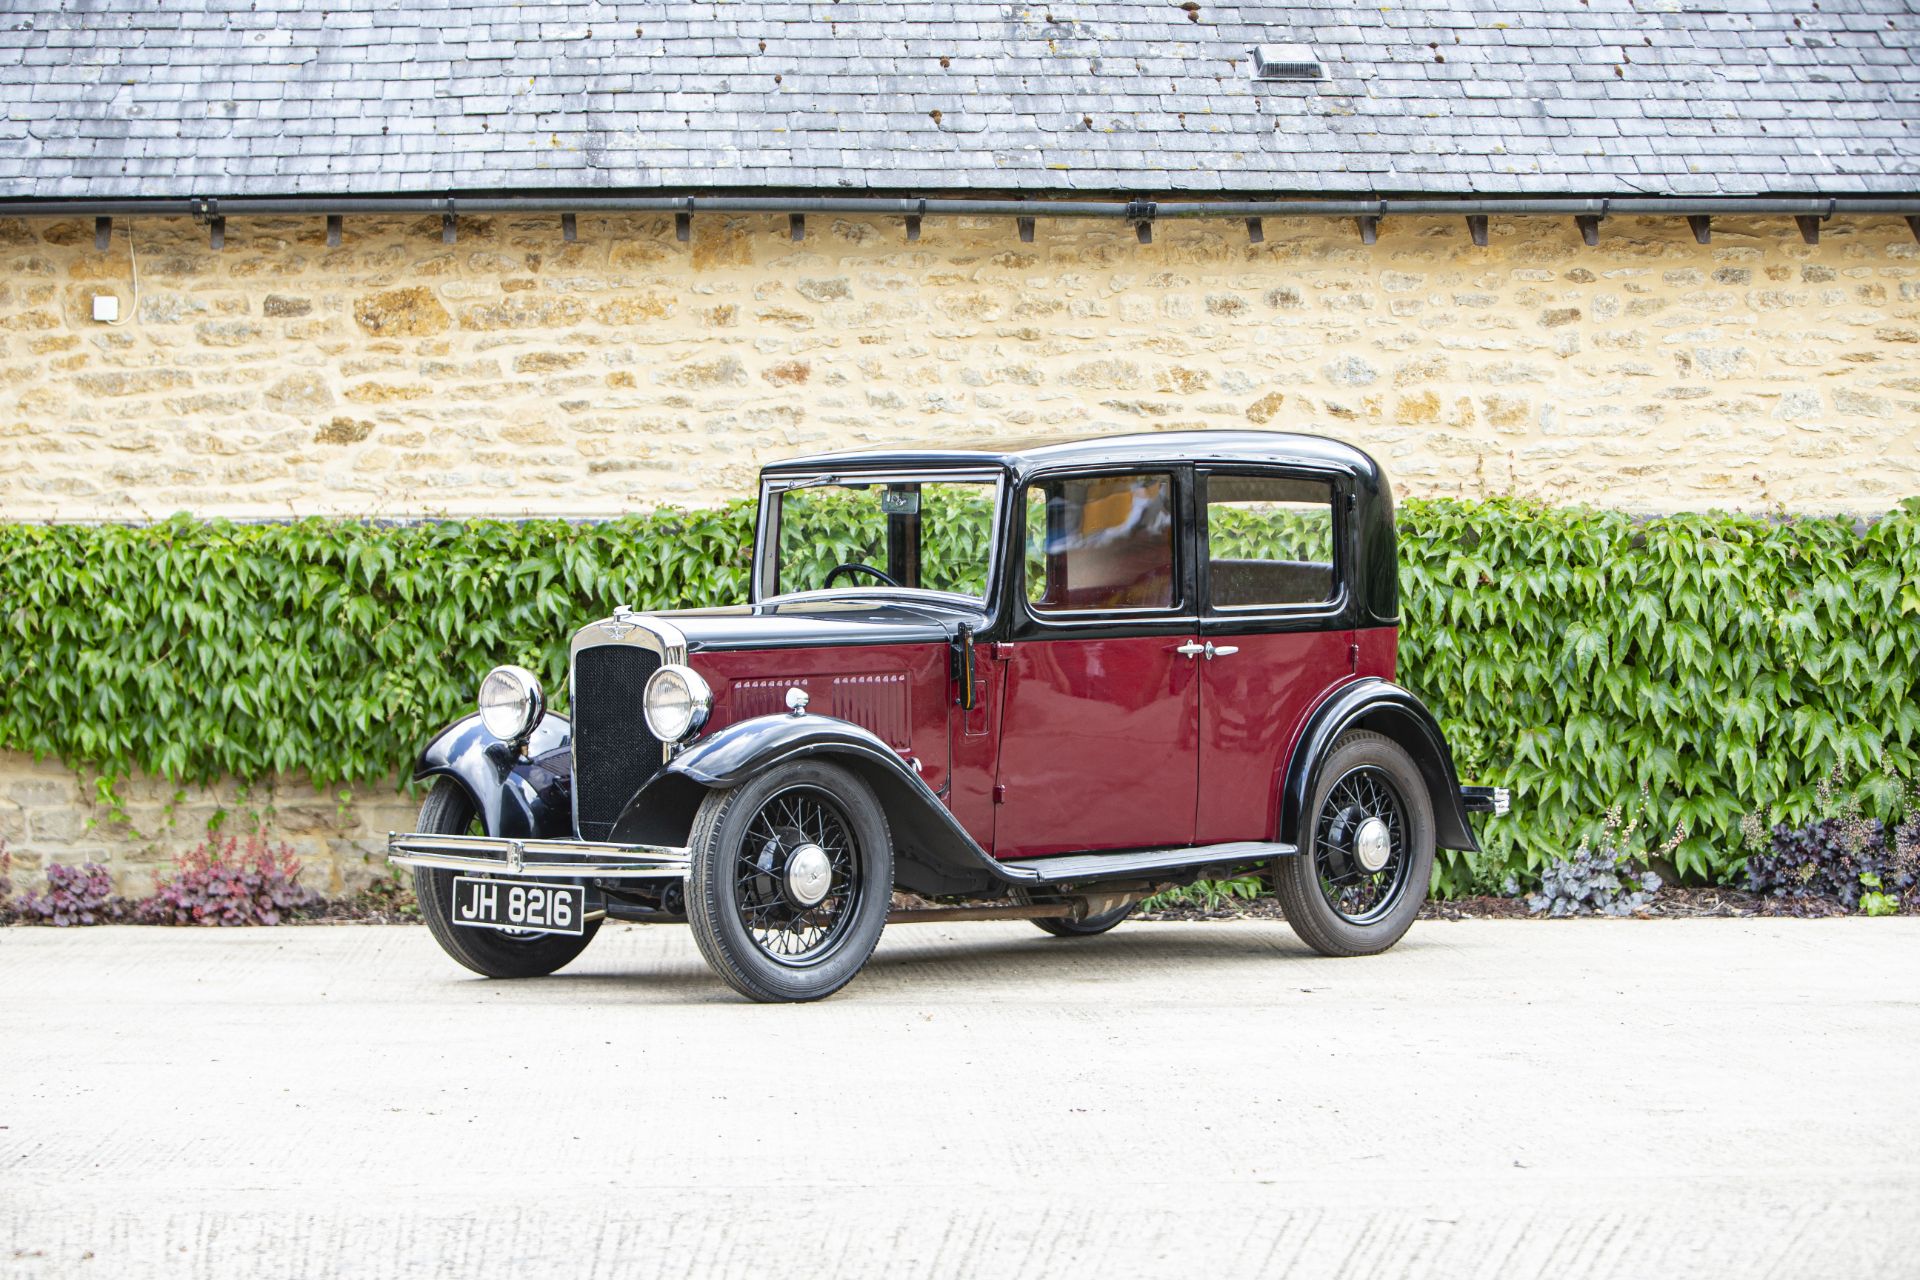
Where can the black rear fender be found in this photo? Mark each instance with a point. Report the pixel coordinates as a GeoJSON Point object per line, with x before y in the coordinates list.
{"type": "Point", "coordinates": [1384, 708]}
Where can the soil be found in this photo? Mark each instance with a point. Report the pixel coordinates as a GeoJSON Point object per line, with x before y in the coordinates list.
{"type": "Point", "coordinates": [1675, 904]}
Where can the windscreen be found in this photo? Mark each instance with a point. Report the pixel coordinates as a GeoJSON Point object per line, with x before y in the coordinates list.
{"type": "Point", "coordinates": [936, 535]}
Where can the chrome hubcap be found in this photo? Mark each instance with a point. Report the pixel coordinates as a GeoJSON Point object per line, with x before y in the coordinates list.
{"type": "Point", "coordinates": [1372, 845]}
{"type": "Point", "coordinates": [809, 875]}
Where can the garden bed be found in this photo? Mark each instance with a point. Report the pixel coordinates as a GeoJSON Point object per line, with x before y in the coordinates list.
{"type": "Point", "coordinates": [1669, 904]}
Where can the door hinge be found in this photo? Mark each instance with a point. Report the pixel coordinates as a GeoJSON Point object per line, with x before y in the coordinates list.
{"type": "Point", "coordinates": [1353, 658]}
{"type": "Point", "coordinates": [999, 793]}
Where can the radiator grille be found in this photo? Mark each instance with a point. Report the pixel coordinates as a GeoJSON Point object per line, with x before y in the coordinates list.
{"type": "Point", "coordinates": [613, 754]}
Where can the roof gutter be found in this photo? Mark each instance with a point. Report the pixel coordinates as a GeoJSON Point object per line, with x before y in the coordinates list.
{"type": "Point", "coordinates": [1808, 211]}
{"type": "Point", "coordinates": [1502, 206]}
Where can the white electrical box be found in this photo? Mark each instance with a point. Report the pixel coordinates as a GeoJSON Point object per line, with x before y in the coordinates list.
{"type": "Point", "coordinates": [106, 307]}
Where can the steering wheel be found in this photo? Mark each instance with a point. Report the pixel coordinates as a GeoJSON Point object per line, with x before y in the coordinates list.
{"type": "Point", "coordinates": [851, 569]}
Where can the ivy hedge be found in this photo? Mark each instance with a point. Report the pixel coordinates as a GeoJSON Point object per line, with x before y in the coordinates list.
{"type": "Point", "coordinates": [1698, 667]}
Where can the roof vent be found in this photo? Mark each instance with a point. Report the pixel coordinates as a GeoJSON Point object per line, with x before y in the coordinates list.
{"type": "Point", "coordinates": [1286, 62]}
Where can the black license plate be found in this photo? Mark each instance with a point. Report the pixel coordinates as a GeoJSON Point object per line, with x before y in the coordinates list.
{"type": "Point", "coordinates": [519, 906]}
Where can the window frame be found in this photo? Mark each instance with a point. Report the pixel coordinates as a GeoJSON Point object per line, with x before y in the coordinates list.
{"type": "Point", "coordinates": [1334, 609]}
{"type": "Point", "coordinates": [766, 552]}
{"type": "Point", "coordinates": [1180, 478]}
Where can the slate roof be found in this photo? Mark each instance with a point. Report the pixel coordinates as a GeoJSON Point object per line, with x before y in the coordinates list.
{"type": "Point", "coordinates": [1604, 97]}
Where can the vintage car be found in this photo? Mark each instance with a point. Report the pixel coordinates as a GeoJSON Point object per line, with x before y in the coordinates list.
{"type": "Point", "coordinates": [1034, 684]}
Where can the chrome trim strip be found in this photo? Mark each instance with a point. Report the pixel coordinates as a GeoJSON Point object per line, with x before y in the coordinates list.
{"type": "Point", "coordinates": [570, 859]}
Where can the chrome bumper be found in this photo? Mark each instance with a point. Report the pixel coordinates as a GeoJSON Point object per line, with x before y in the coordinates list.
{"type": "Point", "coordinates": [567, 859]}
{"type": "Point", "coordinates": [1493, 800]}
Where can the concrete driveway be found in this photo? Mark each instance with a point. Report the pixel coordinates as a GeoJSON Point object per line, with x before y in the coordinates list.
{"type": "Point", "coordinates": [1622, 1099]}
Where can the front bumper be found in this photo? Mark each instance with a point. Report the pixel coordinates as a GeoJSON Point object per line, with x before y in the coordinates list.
{"type": "Point", "coordinates": [1493, 800]}
{"type": "Point", "coordinates": [565, 859]}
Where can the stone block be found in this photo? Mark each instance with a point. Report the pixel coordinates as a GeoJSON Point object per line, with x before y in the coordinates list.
{"type": "Point", "coordinates": [410, 313]}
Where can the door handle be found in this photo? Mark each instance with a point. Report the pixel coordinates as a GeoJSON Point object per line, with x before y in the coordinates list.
{"type": "Point", "coordinates": [1192, 649]}
{"type": "Point", "coordinates": [1220, 650]}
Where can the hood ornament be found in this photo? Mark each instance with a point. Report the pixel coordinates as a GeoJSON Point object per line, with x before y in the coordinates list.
{"type": "Point", "coordinates": [620, 624]}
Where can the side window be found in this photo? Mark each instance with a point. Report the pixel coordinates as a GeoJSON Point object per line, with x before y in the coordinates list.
{"type": "Point", "coordinates": [1269, 541]}
{"type": "Point", "coordinates": [1100, 542]}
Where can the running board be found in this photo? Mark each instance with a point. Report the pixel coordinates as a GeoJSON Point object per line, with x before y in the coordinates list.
{"type": "Point", "coordinates": [1060, 868]}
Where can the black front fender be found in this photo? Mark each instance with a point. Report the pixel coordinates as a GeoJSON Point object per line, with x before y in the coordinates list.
{"type": "Point", "coordinates": [933, 853]}
{"type": "Point", "coordinates": [1385, 708]}
{"type": "Point", "coordinates": [516, 793]}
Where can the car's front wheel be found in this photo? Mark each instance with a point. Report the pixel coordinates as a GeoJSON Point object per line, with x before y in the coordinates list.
{"type": "Point", "coordinates": [1367, 847]}
{"type": "Point", "coordinates": [448, 811]}
{"type": "Point", "coordinates": [791, 880]}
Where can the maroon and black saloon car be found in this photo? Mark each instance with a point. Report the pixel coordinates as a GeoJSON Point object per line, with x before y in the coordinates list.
{"type": "Point", "coordinates": [1035, 684]}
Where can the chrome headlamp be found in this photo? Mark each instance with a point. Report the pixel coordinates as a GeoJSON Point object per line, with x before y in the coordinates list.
{"type": "Point", "coordinates": [511, 703]}
{"type": "Point", "coordinates": [676, 701]}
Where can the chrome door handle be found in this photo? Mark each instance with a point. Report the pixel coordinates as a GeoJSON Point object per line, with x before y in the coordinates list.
{"type": "Point", "coordinates": [1192, 649]}
{"type": "Point", "coordinates": [1221, 650]}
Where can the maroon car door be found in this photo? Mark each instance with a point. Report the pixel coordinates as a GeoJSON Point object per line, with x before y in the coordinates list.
{"type": "Point", "coordinates": [1273, 622]}
{"type": "Point", "coordinates": [1099, 728]}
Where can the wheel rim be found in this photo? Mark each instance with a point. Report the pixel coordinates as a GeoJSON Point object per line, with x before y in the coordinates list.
{"type": "Point", "coordinates": [1361, 880]}
{"type": "Point", "coordinates": [788, 917]}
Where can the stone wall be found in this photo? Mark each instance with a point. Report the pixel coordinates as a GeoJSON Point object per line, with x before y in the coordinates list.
{"type": "Point", "coordinates": [514, 372]}
{"type": "Point", "coordinates": [49, 813]}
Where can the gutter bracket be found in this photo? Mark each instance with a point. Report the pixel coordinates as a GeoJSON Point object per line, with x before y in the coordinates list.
{"type": "Point", "coordinates": [1589, 224]}
{"type": "Point", "coordinates": [1140, 214]}
{"type": "Point", "coordinates": [449, 223]}
{"type": "Point", "coordinates": [206, 211]}
{"type": "Point", "coordinates": [683, 223]}
{"type": "Point", "coordinates": [1809, 223]}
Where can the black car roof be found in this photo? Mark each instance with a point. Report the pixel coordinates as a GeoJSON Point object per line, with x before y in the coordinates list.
{"type": "Point", "coordinates": [1095, 451]}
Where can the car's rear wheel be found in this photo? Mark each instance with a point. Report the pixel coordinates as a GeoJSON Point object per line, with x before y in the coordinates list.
{"type": "Point", "coordinates": [791, 880]}
{"type": "Point", "coordinates": [1367, 848]}
{"type": "Point", "coordinates": [1065, 927]}
{"type": "Point", "coordinates": [448, 811]}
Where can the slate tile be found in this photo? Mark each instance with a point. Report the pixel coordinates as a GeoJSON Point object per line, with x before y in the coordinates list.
{"type": "Point", "coordinates": [1536, 100]}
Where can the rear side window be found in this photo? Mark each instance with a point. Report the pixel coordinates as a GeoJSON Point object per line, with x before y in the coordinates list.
{"type": "Point", "coordinates": [1100, 542]}
{"type": "Point", "coordinates": [1269, 541]}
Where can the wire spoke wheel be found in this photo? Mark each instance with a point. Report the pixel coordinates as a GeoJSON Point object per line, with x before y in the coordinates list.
{"type": "Point", "coordinates": [791, 876]}
{"type": "Point", "coordinates": [796, 876]}
{"type": "Point", "coordinates": [1361, 855]}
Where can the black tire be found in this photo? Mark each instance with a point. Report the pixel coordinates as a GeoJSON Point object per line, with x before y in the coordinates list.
{"type": "Point", "coordinates": [755, 933]}
{"type": "Point", "coordinates": [1061, 927]}
{"type": "Point", "coordinates": [448, 810]}
{"type": "Point", "coordinates": [1333, 904]}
